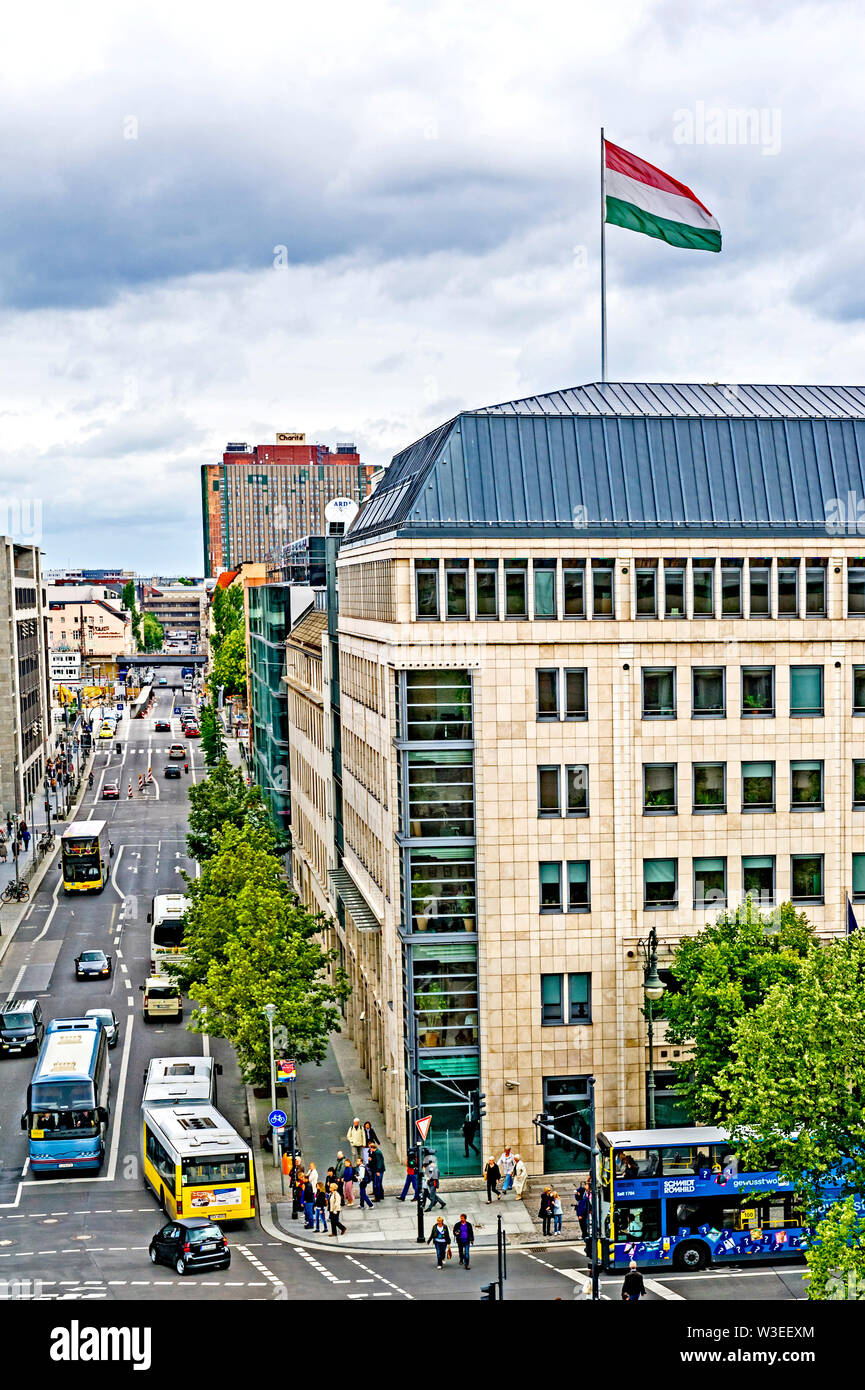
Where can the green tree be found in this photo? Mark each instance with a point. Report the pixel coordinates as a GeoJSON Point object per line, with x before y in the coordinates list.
{"type": "Point", "coordinates": [222, 799]}
{"type": "Point", "coordinates": [720, 975]}
{"type": "Point", "coordinates": [212, 735]}
{"type": "Point", "coordinates": [836, 1259]}
{"type": "Point", "coordinates": [249, 942]}
{"type": "Point", "coordinates": [152, 633]}
{"type": "Point", "coordinates": [227, 610]}
{"type": "Point", "coordinates": [229, 667]}
{"type": "Point", "coordinates": [128, 596]}
{"type": "Point", "coordinates": [795, 1091]}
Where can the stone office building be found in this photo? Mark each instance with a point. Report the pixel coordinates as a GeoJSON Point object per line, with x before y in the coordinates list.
{"type": "Point", "coordinates": [601, 668]}
{"type": "Point", "coordinates": [24, 707]}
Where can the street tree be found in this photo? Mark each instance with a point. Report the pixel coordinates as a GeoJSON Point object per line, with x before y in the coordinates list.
{"type": "Point", "coordinates": [152, 633]}
{"type": "Point", "coordinates": [229, 667]}
{"type": "Point", "coordinates": [719, 976]}
{"type": "Point", "coordinates": [220, 800]}
{"type": "Point", "coordinates": [227, 610]}
{"type": "Point", "coordinates": [212, 736]}
{"type": "Point", "coordinates": [250, 942]}
{"type": "Point", "coordinates": [836, 1258]}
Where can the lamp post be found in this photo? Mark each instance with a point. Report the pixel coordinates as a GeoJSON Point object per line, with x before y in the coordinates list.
{"type": "Point", "coordinates": [653, 991]}
{"type": "Point", "coordinates": [269, 1012]}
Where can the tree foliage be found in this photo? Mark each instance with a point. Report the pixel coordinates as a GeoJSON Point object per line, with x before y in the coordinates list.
{"type": "Point", "coordinates": [229, 667]}
{"type": "Point", "coordinates": [212, 735]}
{"type": "Point", "coordinates": [227, 610]}
{"type": "Point", "coordinates": [721, 974]}
{"type": "Point", "coordinates": [836, 1259]}
{"type": "Point", "coordinates": [249, 942]}
{"type": "Point", "coordinates": [128, 596]}
{"type": "Point", "coordinates": [223, 799]}
{"type": "Point", "coordinates": [152, 633]}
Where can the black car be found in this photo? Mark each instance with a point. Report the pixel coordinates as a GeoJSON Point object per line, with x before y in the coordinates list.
{"type": "Point", "coordinates": [190, 1243]}
{"type": "Point", "coordinates": [92, 965]}
{"type": "Point", "coordinates": [162, 726]}
{"type": "Point", "coordinates": [172, 770]}
{"type": "Point", "coordinates": [21, 1026]}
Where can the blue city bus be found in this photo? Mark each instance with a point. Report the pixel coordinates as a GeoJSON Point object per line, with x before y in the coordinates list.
{"type": "Point", "coordinates": [67, 1099]}
{"type": "Point", "coordinates": [677, 1197]}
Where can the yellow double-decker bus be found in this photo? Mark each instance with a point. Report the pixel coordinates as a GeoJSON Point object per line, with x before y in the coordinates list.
{"type": "Point", "coordinates": [196, 1163]}
{"type": "Point", "coordinates": [85, 854]}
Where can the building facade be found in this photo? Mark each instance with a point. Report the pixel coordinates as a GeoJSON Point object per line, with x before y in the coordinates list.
{"type": "Point", "coordinates": [178, 607]}
{"type": "Point", "coordinates": [88, 635]}
{"type": "Point", "coordinates": [24, 705]}
{"type": "Point", "coordinates": [262, 497]}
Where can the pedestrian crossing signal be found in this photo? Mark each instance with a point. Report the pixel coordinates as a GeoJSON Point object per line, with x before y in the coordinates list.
{"type": "Point", "coordinates": [488, 1293]}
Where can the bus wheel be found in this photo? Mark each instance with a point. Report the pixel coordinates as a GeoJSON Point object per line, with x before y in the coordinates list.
{"type": "Point", "coordinates": [692, 1255]}
{"type": "Point", "coordinates": [162, 1199]}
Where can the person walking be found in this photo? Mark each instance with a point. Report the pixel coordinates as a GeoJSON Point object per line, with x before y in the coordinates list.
{"type": "Point", "coordinates": [25, 836]}
{"type": "Point", "coordinates": [521, 1174]}
{"type": "Point", "coordinates": [410, 1181]}
{"type": "Point", "coordinates": [377, 1165]}
{"type": "Point", "coordinates": [354, 1135]}
{"type": "Point", "coordinates": [364, 1177]}
{"type": "Point", "coordinates": [581, 1202]}
{"type": "Point", "coordinates": [22, 830]}
{"type": "Point", "coordinates": [307, 1201]}
{"type": "Point", "coordinates": [470, 1130]}
{"type": "Point", "coordinates": [556, 1205]}
{"type": "Point", "coordinates": [3, 851]}
{"type": "Point", "coordinates": [8, 826]}
{"type": "Point", "coordinates": [440, 1237]}
{"type": "Point", "coordinates": [348, 1184]}
{"type": "Point", "coordinates": [545, 1210]}
{"type": "Point", "coordinates": [492, 1175]}
{"type": "Point", "coordinates": [507, 1164]}
{"type": "Point", "coordinates": [369, 1134]}
{"type": "Point", "coordinates": [431, 1186]}
{"type": "Point", "coordinates": [334, 1204]}
{"type": "Point", "coordinates": [464, 1232]}
{"type": "Point", "coordinates": [633, 1287]}
{"type": "Point", "coordinates": [320, 1207]}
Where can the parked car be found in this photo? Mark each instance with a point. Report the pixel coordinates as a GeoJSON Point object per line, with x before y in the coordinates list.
{"type": "Point", "coordinates": [177, 750]}
{"type": "Point", "coordinates": [108, 1019]}
{"type": "Point", "coordinates": [162, 726]}
{"type": "Point", "coordinates": [172, 770]}
{"type": "Point", "coordinates": [22, 1027]}
{"type": "Point", "coordinates": [89, 965]}
{"type": "Point", "coordinates": [190, 1243]}
{"type": "Point", "coordinates": [110, 790]}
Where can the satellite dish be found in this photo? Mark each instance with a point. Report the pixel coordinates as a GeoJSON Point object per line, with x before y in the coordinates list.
{"type": "Point", "coordinates": [341, 509]}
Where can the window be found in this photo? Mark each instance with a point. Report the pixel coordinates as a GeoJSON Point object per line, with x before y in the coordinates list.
{"type": "Point", "coordinates": [578, 885]}
{"type": "Point", "coordinates": [659, 789]}
{"type": "Point", "coordinates": [549, 799]}
{"type": "Point", "coordinates": [859, 689]}
{"type": "Point", "coordinates": [703, 588]}
{"type": "Point", "coordinates": [758, 692]}
{"type": "Point", "coordinates": [647, 592]}
{"type": "Point", "coordinates": [486, 588]}
{"type": "Point", "coordinates": [426, 578]}
{"type": "Point", "coordinates": [674, 591]}
{"type": "Point", "coordinates": [659, 883]}
{"type": "Point", "coordinates": [659, 692]}
{"type": "Point", "coordinates": [442, 890]}
{"type": "Point", "coordinates": [815, 591]}
{"type": "Point", "coordinates": [440, 786]}
{"type": "Point", "coordinates": [438, 705]}
{"type": "Point", "coordinates": [548, 694]}
{"type": "Point", "coordinates": [856, 592]}
{"type": "Point", "coordinates": [516, 588]}
{"type": "Point", "coordinates": [575, 588]}
{"type": "Point", "coordinates": [708, 692]}
{"type": "Point", "coordinates": [551, 887]}
{"type": "Point", "coordinates": [709, 787]}
{"type": "Point", "coordinates": [806, 690]}
{"type": "Point", "coordinates": [806, 786]}
{"type": "Point", "coordinates": [710, 883]}
{"type": "Point", "coordinates": [545, 588]}
{"type": "Point", "coordinates": [552, 1000]}
{"type": "Point", "coordinates": [859, 783]}
{"type": "Point", "coordinates": [788, 589]}
{"type": "Point", "coordinates": [806, 875]}
{"type": "Point", "coordinates": [731, 591]}
{"type": "Point", "coordinates": [580, 998]}
{"type": "Point", "coordinates": [758, 786]}
{"type": "Point", "coordinates": [602, 590]}
{"type": "Point", "coordinates": [457, 586]}
{"type": "Point", "coordinates": [759, 590]}
{"type": "Point", "coordinates": [576, 702]}
{"type": "Point", "coordinates": [577, 784]}
{"type": "Point", "coordinates": [859, 878]}
{"type": "Point", "coordinates": [758, 877]}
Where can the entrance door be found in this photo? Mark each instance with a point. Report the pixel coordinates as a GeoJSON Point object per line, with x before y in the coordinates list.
{"type": "Point", "coordinates": [566, 1099]}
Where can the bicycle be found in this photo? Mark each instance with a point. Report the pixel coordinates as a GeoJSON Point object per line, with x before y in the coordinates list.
{"type": "Point", "coordinates": [47, 840]}
{"type": "Point", "coordinates": [16, 891]}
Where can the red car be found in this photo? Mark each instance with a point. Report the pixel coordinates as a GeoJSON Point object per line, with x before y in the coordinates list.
{"type": "Point", "coordinates": [191, 730]}
{"type": "Point", "coordinates": [110, 789]}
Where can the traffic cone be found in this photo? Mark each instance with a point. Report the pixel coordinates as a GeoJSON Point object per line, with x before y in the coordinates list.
{"type": "Point", "coordinates": [141, 781]}
{"type": "Point", "coordinates": [129, 793]}
{"type": "Point", "coordinates": [149, 776]}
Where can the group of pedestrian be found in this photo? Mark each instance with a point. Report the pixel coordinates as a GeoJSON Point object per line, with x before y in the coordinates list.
{"type": "Point", "coordinates": [323, 1201]}
{"type": "Point", "coordinates": [550, 1212]}
{"type": "Point", "coordinates": [507, 1174]}
{"type": "Point", "coordinates": [17, 838]}
{"type": "Point", "coordinates": [440, 1238]}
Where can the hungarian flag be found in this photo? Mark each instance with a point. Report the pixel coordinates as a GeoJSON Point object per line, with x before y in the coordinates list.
{"type": "Point", "coordinates": [644, 199]}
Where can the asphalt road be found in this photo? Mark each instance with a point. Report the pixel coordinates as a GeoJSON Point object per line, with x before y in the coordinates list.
{"type": "Point", "coordinates": [87, 1238]}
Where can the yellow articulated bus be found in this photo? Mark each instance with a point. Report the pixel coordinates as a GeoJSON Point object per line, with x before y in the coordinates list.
{"type": "Point", "coordinates": [196, 1163]}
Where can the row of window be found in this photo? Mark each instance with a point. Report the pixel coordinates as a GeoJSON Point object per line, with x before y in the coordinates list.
{"type": "Point", "coordinates": [567, 887]}
{"type": "Point", "coordinates": [564, 693]}
{"type": "Point", "coordinates": [549, 588]}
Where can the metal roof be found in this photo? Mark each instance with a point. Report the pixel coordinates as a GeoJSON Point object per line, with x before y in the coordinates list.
{"type": "Point", "coordinates": [630, 459]}
{"type": "Point", "coordinates": [652, 1138]}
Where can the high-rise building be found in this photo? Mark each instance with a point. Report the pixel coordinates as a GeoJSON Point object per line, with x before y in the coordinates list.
{"type": "Point", "coordinates": [24, 723]}
{"type": "Point", "coordinates": [260, 498]}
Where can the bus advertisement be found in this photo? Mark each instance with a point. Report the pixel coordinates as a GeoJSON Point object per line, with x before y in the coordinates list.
{"type": "Point", "coordinates": [85, 852]}
{"type": "Point", "coordinates": [167, 918]}
{"type": "Point", "coordinates": [196, 1163]}
{"type": "Point", "coordinates": [677, 1197]}
{"type": "Point", "coordinates": [67, 1099]}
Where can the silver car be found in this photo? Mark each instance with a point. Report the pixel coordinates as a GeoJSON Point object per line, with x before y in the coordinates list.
{"type": "Point", "coordinates": [108, 1019]}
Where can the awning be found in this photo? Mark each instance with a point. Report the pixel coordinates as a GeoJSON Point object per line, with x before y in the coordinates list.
{"type": "Point", "coordinates": [362, 914]}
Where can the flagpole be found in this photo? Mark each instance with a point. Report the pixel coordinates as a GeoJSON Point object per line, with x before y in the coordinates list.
{"type": "Point", "coordinates": [603, 259]}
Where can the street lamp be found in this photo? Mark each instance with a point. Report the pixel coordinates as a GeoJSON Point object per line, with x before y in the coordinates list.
{"type": "Point", "coordinates": [653, 991]}
{"type": "Point", "coordinates": [269, 1012]}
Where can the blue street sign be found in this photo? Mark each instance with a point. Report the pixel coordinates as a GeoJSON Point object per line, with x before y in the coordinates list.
{"type": "Point", "coordinates": [277, 1119]}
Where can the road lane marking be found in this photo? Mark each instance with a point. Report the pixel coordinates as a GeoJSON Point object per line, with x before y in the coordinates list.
{"type": "Point", "coordinates": [52, 912]}
{"type": "Point", "coordinates": [121, 1091]}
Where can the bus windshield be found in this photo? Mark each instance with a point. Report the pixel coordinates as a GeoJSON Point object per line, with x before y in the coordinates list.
{"type": "Point", "coordinates": [168, 933]}
{"type": "Point", "coordinates": [81, 1123]}
{"type": "Point", "coordinates": [233, 1168]}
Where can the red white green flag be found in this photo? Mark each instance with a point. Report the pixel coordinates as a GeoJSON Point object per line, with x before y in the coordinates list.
{"type": "Point", "coordinates": [645, 199]}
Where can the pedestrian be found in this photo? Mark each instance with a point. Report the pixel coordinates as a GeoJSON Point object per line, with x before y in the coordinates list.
{"type": "Point", "coordinates": [320, 1207]}
{"type": "Point", "coordinates": [308, 1202]}
{"type": "Point", "coordinates": [470, 1130]}
{"type": "Point", "coordinates": [312, 1175]}
{"type": "Point", "coordinates": [431, 1185]}
{"type": "Point", "coordinates": [25, 836]}
{"type": "Point", "coordinates": [507, 1164]}
{"type": "Point", "coordinates": [492, 1175]}
{"type": "Point", "coordinates": [377, 1167]}
{"type": "Point", "coordinates": [8, 826]}
{"type": "Point", "coordinates": [364, 1178]}
{"type": "Point", "coordinates": [369, 1134]}
{"type": "Point", "coordinates": [465, 1238]}
{"type": "Point", "coordinates": [339, 1166]}
{"type": "Point", "coordinates": [556, 1202]}
{"type": "Point", "coordinates": [348, 1184]}
{"type": "Point", "coordinates": [521, 1174]}
{"type": "Point", "coordinates": [330, 1177]}
{"type": "Point", "coordinates": [545, 1210]}
{"type": "Point", "coordinates": [297, 1184]}
{"type": "Point", "coordinates": [354, 1135]}
{"type": "Point", "coordinates": [3, 851]}
{"type": "Point", "coordinates": [334, 1203]}
{"type": "Point", "coordinates": [440, 1237]}
{"type": "Point", "coordinates": [633, 1287]}
{"type": "Point", "coordinates": [410, 1180]}
{"type": "Point", "coordinates": [581, 1202]}
{"type": "Point", "coordinates": [22, 830]}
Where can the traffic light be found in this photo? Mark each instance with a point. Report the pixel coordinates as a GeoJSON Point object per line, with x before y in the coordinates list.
{"type": "Point", "coordinates": [411, 1157]}
{"type": "Point", "coordinates": [488, 1293]}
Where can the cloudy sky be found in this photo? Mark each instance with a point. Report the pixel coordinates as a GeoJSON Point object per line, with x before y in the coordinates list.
{"type": "Point", "coordinates": [355, 219]}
